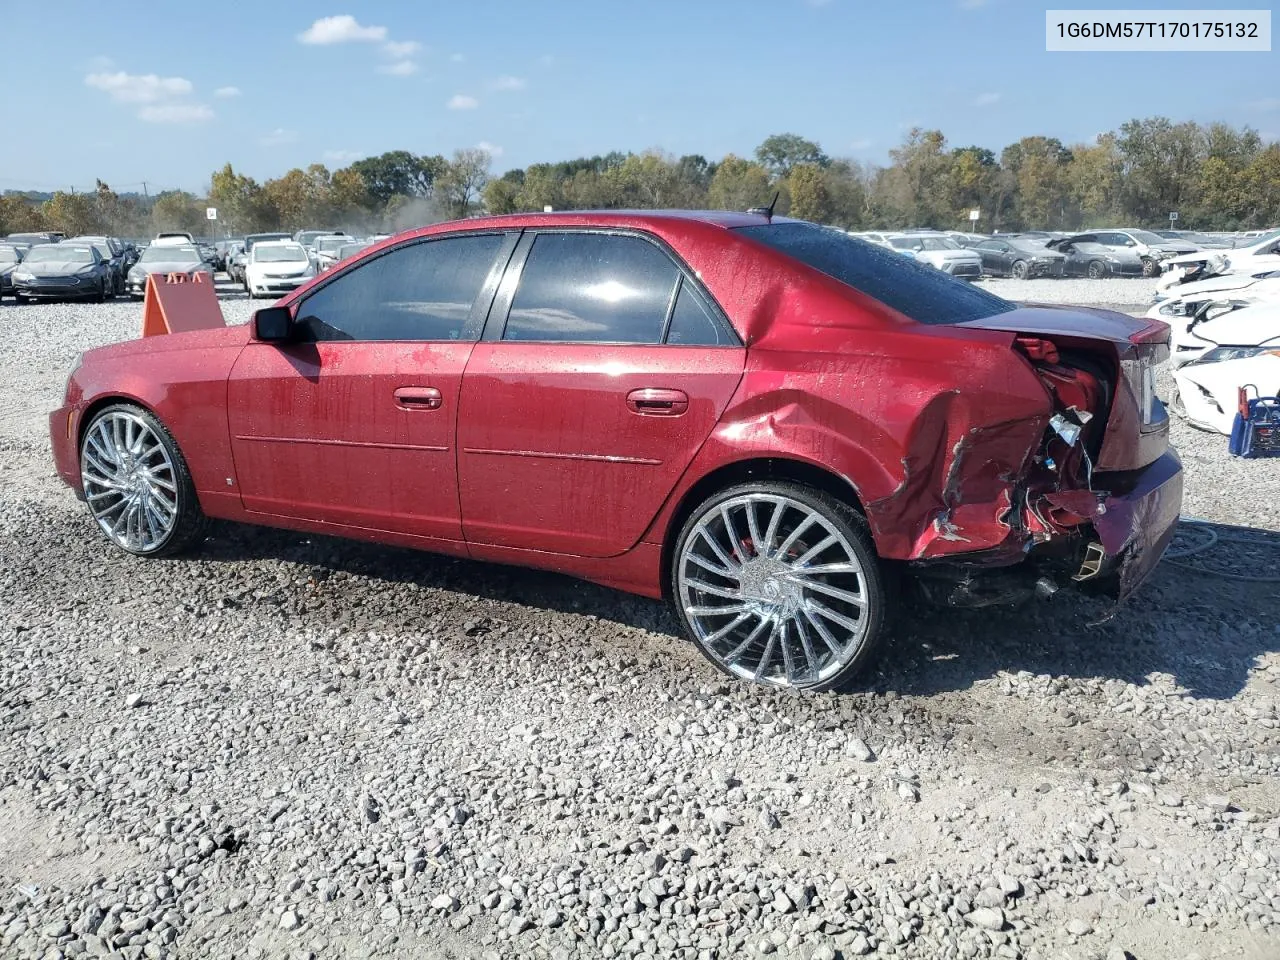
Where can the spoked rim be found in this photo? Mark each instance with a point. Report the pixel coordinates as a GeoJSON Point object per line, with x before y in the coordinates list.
{"type": "Point", "coordinates": [773, 590]}
{"type": "Point", "coordinates": [130, 483]}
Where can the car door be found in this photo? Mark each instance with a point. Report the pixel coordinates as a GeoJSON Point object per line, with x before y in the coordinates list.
{"type": "Point", "coordinates": [353, 421]}
{"type": "Point", "coordinates": [993, 258]}
{"type": "Point", "coordinates": [602, 371]}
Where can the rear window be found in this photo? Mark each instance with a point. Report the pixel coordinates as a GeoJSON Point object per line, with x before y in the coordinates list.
{"type": "Point", "coordinates": [919, 291]}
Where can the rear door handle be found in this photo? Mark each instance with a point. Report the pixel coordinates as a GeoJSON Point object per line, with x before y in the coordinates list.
{"type": "Point", "coordinates": [418, 398]}
{"type": "Point", "coordinates": [656, 402]}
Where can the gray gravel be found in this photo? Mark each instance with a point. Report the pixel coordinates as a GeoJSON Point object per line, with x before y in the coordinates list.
{"type": "Point", "coordinates": [284, 745]}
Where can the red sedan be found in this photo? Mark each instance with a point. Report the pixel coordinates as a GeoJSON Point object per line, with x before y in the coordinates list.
{"type": "Point", "coordinates": [763, 419]}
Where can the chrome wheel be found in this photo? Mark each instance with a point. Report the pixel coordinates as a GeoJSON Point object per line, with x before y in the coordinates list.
{"type": "Point", "coordinates": [773, 590]}
{"type": "Point", "coordinates": [130, 483]}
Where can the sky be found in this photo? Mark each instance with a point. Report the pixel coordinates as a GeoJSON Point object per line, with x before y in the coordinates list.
{"type": "Point", "coordinates": [167, 94]}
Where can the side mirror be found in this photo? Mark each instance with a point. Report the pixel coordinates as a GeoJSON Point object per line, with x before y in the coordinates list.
{"type": "Point", "coordinates": [273, 325]}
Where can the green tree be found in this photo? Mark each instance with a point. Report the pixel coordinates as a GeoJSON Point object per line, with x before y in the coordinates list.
{"type": "Point", "coordinates": [502, 196]}
{"type": "Point", "coordinates": [18, 215]}
{"type": "Point", "coordinates": [238, 199]}
{"type": "Point", "coordinates": [810, 197]}
{"type": "Point", "coordinates": [462, 182]}
{"type": "Point", "coordinates": [1039, 168]}
{"type": "Point", "coordinates": [399, 172]}
{"type": "Point", "coordinates": [782, 151]}
{"type": "Point", "coordinates": [738, 184]}
{"type": "Point", "coordinates": [72, 213]}
{"type": "Point", "coordinates": [1160, 167]}
{"type": "Point", "coordinates": [913, 190]}
{"type": "Point", "coordinates": [1094, 182]}
{"type": "Point", "coordinates": [179, 210]}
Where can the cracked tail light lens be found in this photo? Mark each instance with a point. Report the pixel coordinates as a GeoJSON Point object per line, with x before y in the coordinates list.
{"type": "Point", "coordinates": [1141, 377]}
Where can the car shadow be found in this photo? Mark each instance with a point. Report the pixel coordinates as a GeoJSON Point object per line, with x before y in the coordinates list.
{"type": "Point", "coordinates": [1197, 620]}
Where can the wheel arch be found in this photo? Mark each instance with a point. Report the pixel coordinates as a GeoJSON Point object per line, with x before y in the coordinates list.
{"type": "Point", "coordinates": [98, 404]}
{"type": "Point", "coordinates": [781, 468]}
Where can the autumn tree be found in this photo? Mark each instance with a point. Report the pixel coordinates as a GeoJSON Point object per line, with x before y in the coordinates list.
{"type": "Point", "coordinates": [810, 198]}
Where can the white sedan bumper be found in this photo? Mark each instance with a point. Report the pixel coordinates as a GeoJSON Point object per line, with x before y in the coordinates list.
{"type": "Point", "coordinates": [1210, 392]}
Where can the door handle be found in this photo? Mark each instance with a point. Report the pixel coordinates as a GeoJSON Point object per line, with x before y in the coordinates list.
{"type": "Point", "coordinates": [655, 402]}
{"type": "Point", "coordinates": [418, 398]}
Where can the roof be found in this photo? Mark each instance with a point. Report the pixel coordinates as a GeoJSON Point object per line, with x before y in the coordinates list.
{"type": "Point", "coordinates": [722, 218]}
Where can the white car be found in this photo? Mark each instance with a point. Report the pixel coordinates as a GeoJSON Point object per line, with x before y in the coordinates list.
{"type": "Point", "coordinates": [941, 252]}
{"type": "Point", "coordinates": [1236, 349]}
{"type": "Point", "coordinates": [1260, 255]}
{"type": "Point", "coordinates": [276, 267]}
{"type": "Point", "coordinates": [324, 249]}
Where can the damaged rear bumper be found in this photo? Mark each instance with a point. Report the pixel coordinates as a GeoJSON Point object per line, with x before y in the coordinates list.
{"type": "Point", "coordinates": [1118, 540]}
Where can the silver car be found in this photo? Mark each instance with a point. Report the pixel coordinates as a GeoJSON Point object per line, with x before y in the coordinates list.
{"type": "Point", "coordinates": [182, 258]}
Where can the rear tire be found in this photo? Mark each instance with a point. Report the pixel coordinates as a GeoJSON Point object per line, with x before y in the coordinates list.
{"type": "Point", "coordinates": [795, 573]}
{"type": "Point", "coordinates": [1097, 270]}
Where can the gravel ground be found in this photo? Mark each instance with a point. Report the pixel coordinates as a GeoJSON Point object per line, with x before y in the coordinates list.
{"type": "Point", "coordinates": [287, 746]}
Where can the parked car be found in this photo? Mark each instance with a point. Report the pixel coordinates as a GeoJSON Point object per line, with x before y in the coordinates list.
{"type": "Point", "coordinates": [275, 267]}
{"type": "Point", "coordinates": [942, 253]}
{"type": "Point", "coordinates": [1260, 255]}
{"type": "Point", "coordinates": [253, 238]}
{"type": "Point", "coordinates": [34, 239]}
{"type": "Point", "coordinates": [307, 238]}
{"type": "Point", "coordinates": [1019, 259]}
{"type": "Point", "coordinates": [63, 270]}
{"type": "Point", "coordinates": [1151, 249]}
{"type": "Point", "coordinates": [1093, 260]}
{"type": "Point", "coordinates": [1234, 348]}
{"type": "Point", "coordinates": [173, 237]}
{"type": "Point", "coordinates": [1202, 241]}
{"type": "Point", "coordinates": [164, 260]}
{"type": "Point", "coordinates": [112, 251]}
{"type": "Point", "coordinates": [324, 250]}
{"type": "Point", "coordinates": [602, 394]}
{"type": "Point", "coordinates": [235, 261]}
{"type": "Point", "coordinates": [10, 256]}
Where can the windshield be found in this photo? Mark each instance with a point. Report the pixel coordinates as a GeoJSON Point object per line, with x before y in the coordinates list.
{"type": "Point", "coordinates": [351, 249]}
{"type": "Point", "coordinates": [265, 253]}
{"type": "Point", "coordinates": [263, 238]}
{"type": "Point", "coordinates": [917, 290]}
{"type": "Point", "coordinates": [330, 244]}
{"type": "Point", "coordinates": [51, 253]}
{"type": "Point", "coordinates": [1265, 238]}
{"type": "Point", "coordinates": [940, 243]}
{"type": "Point", "coordinates": [8, 255]}
{"type": "Point", "coordinates": [175, 254]}
{"type": "Point", "coordinates": [1145, 236]}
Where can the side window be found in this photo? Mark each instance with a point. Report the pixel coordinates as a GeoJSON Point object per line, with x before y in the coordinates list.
{"type": "Point", "coordinates": [592, 288]}
{"type": "Point", "coordinates": [423, 291]}
{"type": "Point", "coordinates": [693, 324]}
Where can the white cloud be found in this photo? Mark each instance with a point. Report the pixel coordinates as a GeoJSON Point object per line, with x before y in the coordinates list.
{"type": "Point", "coordinates": [460, 101]}
{"type": "Point", "coordinates": [343, 28]}
{"type": "Point", "coordinates": [509, 83]}
{"type": "Point", "coordinates": [278, 137]}
{"type": "Point", "coordinates": [175, 113]}
{"type": "Point", "coordinates": [401, 68]}
{"type": "Point", "coordinates": [225, 92]}
{"type": "Point", "coordinates": [986, 99]}
{"type": "Point", "coordinates": [343, 156]}
{"type": "Point", "coordinates": [492, 149]}
{"type": "Point", "coordinates": [138, 88]}
{"type": "Point", "coordinates": [399, 49]}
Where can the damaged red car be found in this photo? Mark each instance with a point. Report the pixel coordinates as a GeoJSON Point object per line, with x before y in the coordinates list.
{"type": "Point", "coordinates": [762, 419]}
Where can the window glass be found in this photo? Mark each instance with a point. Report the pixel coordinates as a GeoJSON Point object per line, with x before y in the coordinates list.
{"type": "Point", "coordinates": [593, 288]}
{"type": "Point", "coordinates": [915, 289]}
{"type": "Point", "coordinates": [423, 291]}
{"type": "Point", "coordinates": [692, 321]}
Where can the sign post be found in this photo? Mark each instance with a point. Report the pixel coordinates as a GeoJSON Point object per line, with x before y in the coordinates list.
{"type": "Point", "coordinates": [1173, 217]}
{"type": "Point", "coordinates": [211, 213]}
{"type": "Point", "coordinates": [973, 218]}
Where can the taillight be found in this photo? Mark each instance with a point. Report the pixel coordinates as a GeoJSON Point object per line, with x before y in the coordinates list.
{"type": "Point", "coordinates": [1038, 348]}
{"type": "Point", "coordinates": [1140, 373]}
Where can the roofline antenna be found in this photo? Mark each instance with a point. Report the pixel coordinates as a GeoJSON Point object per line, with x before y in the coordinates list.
{"type": "Point", "coordinates": [767, 212]}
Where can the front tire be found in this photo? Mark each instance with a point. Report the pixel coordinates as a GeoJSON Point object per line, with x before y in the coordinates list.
{"type": "Point", "coordinates": [779, 583]}
{"type": "Point", "coordinates": [1097, 270]}
{"type": "Point", "coordinates": [1019, 270]}
{"type": "Point", "coordinates": [136, 483]}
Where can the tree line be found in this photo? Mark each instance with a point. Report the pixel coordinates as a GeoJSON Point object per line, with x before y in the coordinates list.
{"type": "Point", "coordinates": [1215, 176]}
